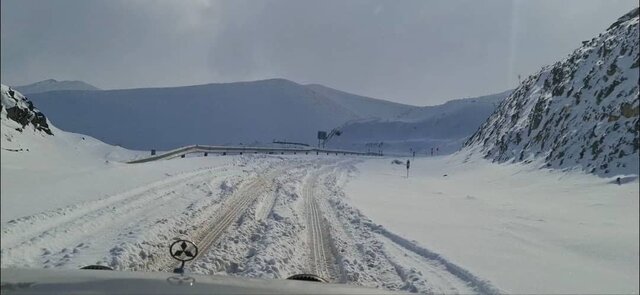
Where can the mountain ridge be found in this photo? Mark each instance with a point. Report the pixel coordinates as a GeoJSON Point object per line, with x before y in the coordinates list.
{"type": "Point", "coordinates": [54, 85]}
{"type": "Point", "coordinates": [230, 113]}
{"type": "Point", "coordinates": [442, 128]}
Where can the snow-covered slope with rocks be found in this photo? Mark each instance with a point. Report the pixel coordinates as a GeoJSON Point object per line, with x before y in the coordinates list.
{"type": "Point", "coordinates": [39, 160]}
{"type": "Point", "coordinates": [18, 113]}
{"type": "Point", "coordinates": [580, 112]}
{"type": "Point", "coordinates": [30, 140]}
{"type": "Point", "coordinates": [54, 85]}
{"type": "Point", "coordinates": [444, 127]}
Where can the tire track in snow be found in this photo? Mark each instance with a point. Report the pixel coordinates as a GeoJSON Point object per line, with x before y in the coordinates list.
{"type": "Point", "coordinates": [229, 212]}
{"type": "Point", "coordinates": [265, 206]}
{"type": "Point", "coordinates": [415, 270]}
{"type": "Point", "coordinates": [321, 256]}
{"type": "Point", "coordinates": [100, 220]}
{"type": "Point", "coordinates": [436, 261]}
{"type": "Point", "coordinates": [370, 254]}
{"type": "Point", "coordinates": [16, 231]}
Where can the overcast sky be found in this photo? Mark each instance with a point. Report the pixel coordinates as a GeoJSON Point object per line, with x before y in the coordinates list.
{"type": "Point", "coordinates": [416, 52]}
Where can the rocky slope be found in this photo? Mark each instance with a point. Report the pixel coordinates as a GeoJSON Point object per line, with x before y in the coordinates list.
{"type": "Point", "coordinates": [580, 112]}
{"type": "Point", "coordinates": [19, 113]}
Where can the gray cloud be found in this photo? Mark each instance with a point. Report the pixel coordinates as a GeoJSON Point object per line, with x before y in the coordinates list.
{"type": "Point", "coordinates": [418, 52]}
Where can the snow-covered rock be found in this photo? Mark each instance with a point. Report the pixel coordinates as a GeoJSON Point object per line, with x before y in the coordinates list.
{"type": "Point", "coordinates": [580, 112]}
{"type": "Point", "coordinates": [18, 112]}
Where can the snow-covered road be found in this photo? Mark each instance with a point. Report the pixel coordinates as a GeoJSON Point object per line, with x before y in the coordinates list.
{"type": "Point", "coordinates": [256, 216]}
{"type": "Point", "coordinates": [274, 216]}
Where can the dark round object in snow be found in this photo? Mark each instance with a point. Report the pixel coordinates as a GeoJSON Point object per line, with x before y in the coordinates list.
{"type": "Point", "coordinates": [97, 267]}
{"type": "Point", "coordinates": [307, 277]}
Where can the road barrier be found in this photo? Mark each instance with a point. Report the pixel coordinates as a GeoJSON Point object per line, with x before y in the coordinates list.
{"type": "Point", "coordinates": [240, 150]}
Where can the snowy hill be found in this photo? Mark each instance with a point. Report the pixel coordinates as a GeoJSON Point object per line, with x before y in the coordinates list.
{"type": "Point", "coordinates": [481, 106]}
{"type": "Point", "coordinates": [228, 113]}
{"type": "Point", "coordinates": [582, 111]}
{"type": "Point", "coordinates": [444, 127]}
{"type": "Point", "coordinates": [29, 139]}
{"type": "Point", "coordinates": [361, 106]}
{"type": "Point", "coordinates": [54, 85]}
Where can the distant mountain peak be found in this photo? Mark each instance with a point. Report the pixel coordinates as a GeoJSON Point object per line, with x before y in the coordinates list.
{"type": "Point", "coordinates": [54, 85]}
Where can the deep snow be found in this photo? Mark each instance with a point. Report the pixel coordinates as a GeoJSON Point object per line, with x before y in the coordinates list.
{"type": "Point", "coordinates": [482, 228]}
{"type": "Point", "coordinates": [524, 229]}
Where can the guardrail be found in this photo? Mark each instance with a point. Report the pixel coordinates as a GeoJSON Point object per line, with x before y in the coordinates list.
{"type": "Point", "coordinates": [240, 150]}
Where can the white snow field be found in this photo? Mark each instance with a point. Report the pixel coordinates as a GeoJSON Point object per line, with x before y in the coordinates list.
{"type": "Point", "coordinates": [69, 201]}
{"type": "Point", "coordinates": [484, 228]}
{"type": "Point", "coordinates": [524, 229]}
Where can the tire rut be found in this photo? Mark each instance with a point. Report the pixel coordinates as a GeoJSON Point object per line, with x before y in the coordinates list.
{"type": "Point", "coordinates": [321, 256]}
{"type": "Point", "coordinates": [229, 212]}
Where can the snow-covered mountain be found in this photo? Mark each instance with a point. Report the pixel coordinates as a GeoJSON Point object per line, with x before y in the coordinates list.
{"type": "Point", "coordinates": [443, 127]}
{"type": "Point", "coordinates": [583, 111]}
{"type": "Point", "coordinates": [228, 113]}
{"type": "Point", "coordinates": [361, 106]}
{"type": "Point", "coordinates": [474, 107]}
{"type": "Point", "coordinates": [54, 85]}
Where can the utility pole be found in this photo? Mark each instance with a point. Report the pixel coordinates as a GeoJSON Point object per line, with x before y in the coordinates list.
{"type": "Point", "coordinates": [408, 165]}
{"type": "Point", "coordinates": [323, 137]}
